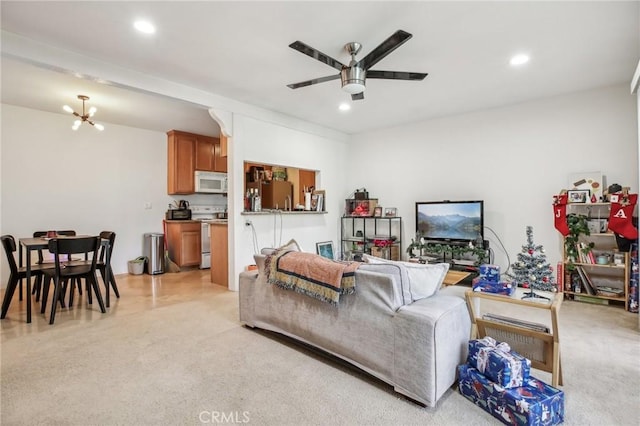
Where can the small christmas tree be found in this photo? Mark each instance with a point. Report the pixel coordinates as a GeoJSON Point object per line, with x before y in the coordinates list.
{"type": "Point", "coordinates": [532, 269]}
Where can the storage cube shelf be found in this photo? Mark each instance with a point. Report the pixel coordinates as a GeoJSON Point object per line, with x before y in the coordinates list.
{"type": "Point", "coordinates": [590, 281]}
{"type": "Point", "coordinates": [377, 236]}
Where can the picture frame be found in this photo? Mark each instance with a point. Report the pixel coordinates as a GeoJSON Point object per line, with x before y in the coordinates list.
{"type": "Point", "coordinates": [390, 212]}
{"type": "Point", "coordinates": [377, 212]}
{"type": "Point", "coordinates": [325, 249]}
{"type": "Point", "coordinates": [578, 195]}
{"type": "Point", "coordinates": [592, 181]}
{"type": "Point", "coordinates": [318, 200]}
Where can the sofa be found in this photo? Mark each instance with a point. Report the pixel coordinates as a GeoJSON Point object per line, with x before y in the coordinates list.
{"type": "Point", "coordinates": [415, 346]}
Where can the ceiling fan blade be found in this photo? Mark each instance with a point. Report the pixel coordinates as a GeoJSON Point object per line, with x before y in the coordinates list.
{"type": "Point", "coordinates": [357, 96]}
{"type": "Point", "coordinates": [314, 81]}
{"type": "Point", "coordinates": [316, 54]}
{"type": "Point", "coordinates": [389, 45]}
{"type": "Point", "coordinates": [396, 75]}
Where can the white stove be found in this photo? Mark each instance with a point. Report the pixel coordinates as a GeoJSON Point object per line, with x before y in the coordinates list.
{"type": "Point", "coordinates": [202, 212]}
{"type": "Point", "coordinates": [206, 214]}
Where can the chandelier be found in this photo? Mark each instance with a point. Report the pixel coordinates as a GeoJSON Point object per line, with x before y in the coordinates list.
{"type": "Point", "coordinates": [85, 116]}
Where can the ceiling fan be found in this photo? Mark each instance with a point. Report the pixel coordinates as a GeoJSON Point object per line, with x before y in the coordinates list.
{"type": "Point", "coordinates": [354, 75]}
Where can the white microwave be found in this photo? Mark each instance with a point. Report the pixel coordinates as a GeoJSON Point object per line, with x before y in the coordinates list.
{"type": "Point", "coordinates": [211, 182]}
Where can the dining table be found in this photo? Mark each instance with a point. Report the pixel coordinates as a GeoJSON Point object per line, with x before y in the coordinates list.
{"type": "Point", "coordinates": [30, 244]}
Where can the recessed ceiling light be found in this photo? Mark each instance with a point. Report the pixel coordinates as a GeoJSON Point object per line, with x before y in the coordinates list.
{"type": "Point", "coordinates": [344, 107]}
{"type": "Point", "coordinates": [144, 27]}
{"type": "Point", "coordinates": [520, 59]}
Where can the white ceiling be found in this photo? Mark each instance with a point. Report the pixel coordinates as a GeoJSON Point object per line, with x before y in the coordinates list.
{"type": "Point", "coordinates": [239, 50]}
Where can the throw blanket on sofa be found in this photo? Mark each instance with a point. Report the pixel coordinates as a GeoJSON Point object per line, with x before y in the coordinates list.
{"type": "Point", "coordinates": [311, 274]}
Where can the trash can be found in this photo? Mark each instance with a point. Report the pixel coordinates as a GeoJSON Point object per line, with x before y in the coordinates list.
{"type": "Point", "coordinates": [136, 266]}
{"type": "Point", "coordinates": [154, 252]}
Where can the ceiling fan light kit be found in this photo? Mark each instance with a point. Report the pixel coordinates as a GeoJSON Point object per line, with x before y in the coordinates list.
{"type": "Point", "coordinates": [353, 76]}
{"type": "Point", "coordinates": [84, 116]}
{"type": "Point", "coordinates": [353, 80]}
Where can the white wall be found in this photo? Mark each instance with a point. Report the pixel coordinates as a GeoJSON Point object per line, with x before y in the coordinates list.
{"type": "Point", "coordinates": [514, 158]}
{"type": "Point", "coordinates": [263, 142]}
{"type": "Point", "coordinates": [89, 181]}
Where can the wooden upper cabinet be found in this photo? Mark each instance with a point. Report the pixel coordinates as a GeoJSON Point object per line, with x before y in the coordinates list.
{"type": "Point", "coordinates": [224, 145]}
{"type": "Point", "coordinates": [188, 152]}
{"type": "Point", "coordinates": [205, 153]}
{"type": "Point", "coordinates": [181, 162]}
{"type": "Point", "coordinates": [220, 162]}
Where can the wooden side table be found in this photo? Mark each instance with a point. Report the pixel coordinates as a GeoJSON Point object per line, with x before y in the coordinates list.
{"type": "Point", "coordinates": [454, 277]}
{"type": "Point", "coordinates": [541, 347]}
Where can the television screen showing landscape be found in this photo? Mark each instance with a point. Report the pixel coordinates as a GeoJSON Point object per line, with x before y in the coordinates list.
{"type": "Point", "coordinates": [450, 220]}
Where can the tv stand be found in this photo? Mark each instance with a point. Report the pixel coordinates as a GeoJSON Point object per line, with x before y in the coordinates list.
{"type": "Point", "coordinates": [451, 252]}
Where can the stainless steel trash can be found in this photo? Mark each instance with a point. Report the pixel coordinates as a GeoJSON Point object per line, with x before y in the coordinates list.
{"type": "Point", "coordinates": [154, 252]}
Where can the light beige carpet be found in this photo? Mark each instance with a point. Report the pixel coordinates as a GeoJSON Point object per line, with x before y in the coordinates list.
{"type": "Point", "coordinates": [192, 363]}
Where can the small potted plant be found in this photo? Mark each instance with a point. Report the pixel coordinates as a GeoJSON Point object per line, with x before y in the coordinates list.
{"type": "Point", "coordinates": [573, 247]}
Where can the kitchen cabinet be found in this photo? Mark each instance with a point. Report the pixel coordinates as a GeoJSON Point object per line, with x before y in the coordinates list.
{"type": "Point", "coordinates": [188, 152]}
{"type": "Point", "coordinates": [219, 254]}
{"type": "Point", "coordinates": [205, 153]}
{"type": "Point", "coordinates": [219, 161]}
{"type": "Point", "coordinates": [224, 145]}
{"type": "Point", "coordinates": [277, 194]}
{"type": "Point", "coordinates": [181, 162]}
{"type": "Point", "coordinates": [184, 242]}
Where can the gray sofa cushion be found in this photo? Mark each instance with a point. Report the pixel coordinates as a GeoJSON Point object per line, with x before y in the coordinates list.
{"type": "Point", "coordinates": [418, 280]}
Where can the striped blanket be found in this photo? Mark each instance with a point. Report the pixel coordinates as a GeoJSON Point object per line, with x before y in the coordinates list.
{"type": "Point", "coordinates": [311, 274]}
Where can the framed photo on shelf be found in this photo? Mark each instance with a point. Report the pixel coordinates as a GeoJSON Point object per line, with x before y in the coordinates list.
{"type": "Point", "coordinates": [318, 200]}
{"type": "Point", "coordinates": [377, 212]}
{"type": "Point", "coordinates": [578, 195]}
{"type": "Point", "coordinates": [390, 212]}
{"type": "Point", "coordinates": [591, 181]}
{"type": "Point", "coordinates": [325, 249]}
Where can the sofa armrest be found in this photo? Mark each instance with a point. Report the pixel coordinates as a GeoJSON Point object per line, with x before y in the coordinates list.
{"type": "Point", "coordinates": [246, 297]}
{"type": "Point", "coordinates": [431, 339]}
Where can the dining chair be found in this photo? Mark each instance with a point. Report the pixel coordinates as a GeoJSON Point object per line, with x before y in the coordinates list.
{"type": "Point", "coordinates": [105, 253]}
{"type": "Point", "coordinates": [37, 286]}
{"type": "Point", "coordinates": [87, 246]}
{"type": "Point", "coordinates": [17, 273]}
{"type": "Point", "coordinates": [102, 259]}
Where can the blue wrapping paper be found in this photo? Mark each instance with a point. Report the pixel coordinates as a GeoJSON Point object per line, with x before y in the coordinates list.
{"type": "Point", "coordinates": [536, 403]}
{"type": "Point", "coordinates": [489, 273]}
{"type": "Point", "coordinates": [504, 288]}
{"type": "Point", "coordinates": [498, 362]}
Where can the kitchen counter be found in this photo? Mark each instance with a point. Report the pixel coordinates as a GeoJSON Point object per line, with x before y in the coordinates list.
{"type": "Point", "coordinates": [274, 211]}
{"type": "Point", "coordinates": [219, 252]}
{"type": "Point", "coordinates": [225, 221]}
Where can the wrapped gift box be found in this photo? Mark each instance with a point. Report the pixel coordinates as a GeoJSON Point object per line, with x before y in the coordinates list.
{"type": "Point", "coordinates": [634, 280]}
{"type": "Point", "coordinates": [536, 403]}
{"type": "Point", "coordinates": [502, 287]}
{"type": "Point", "coordinates": [490, 273]}
{"type": "Point", "coordinates": [498, 362]}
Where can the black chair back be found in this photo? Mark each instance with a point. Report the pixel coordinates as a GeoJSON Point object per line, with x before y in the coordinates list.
{"type": "Point", "coordinates": [107, 235]}
{"type": "Point", "coordinates": [70, 246]}
{"type": "Point", "coordinates": [40, 234]}
{"type": "Point", "coordinates": [9, 244]}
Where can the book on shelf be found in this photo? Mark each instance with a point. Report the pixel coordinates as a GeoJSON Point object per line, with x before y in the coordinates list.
{"type": "Point", "coordinates": [589, 299]}
{"type": "Point", "coordinates": [584, 253]}
{"type": "Point", "coordinates": [609, 291]}
{"type": "Point", "coordinates": [516, 322]}
{"type": "Point", "coordinates": [560, 276]}
{"type": "Point", "coordinates": [587, 284]}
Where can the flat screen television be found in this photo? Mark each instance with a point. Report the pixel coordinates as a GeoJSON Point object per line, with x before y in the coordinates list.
{"type": "Point", "coordinates": [450, 221]}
